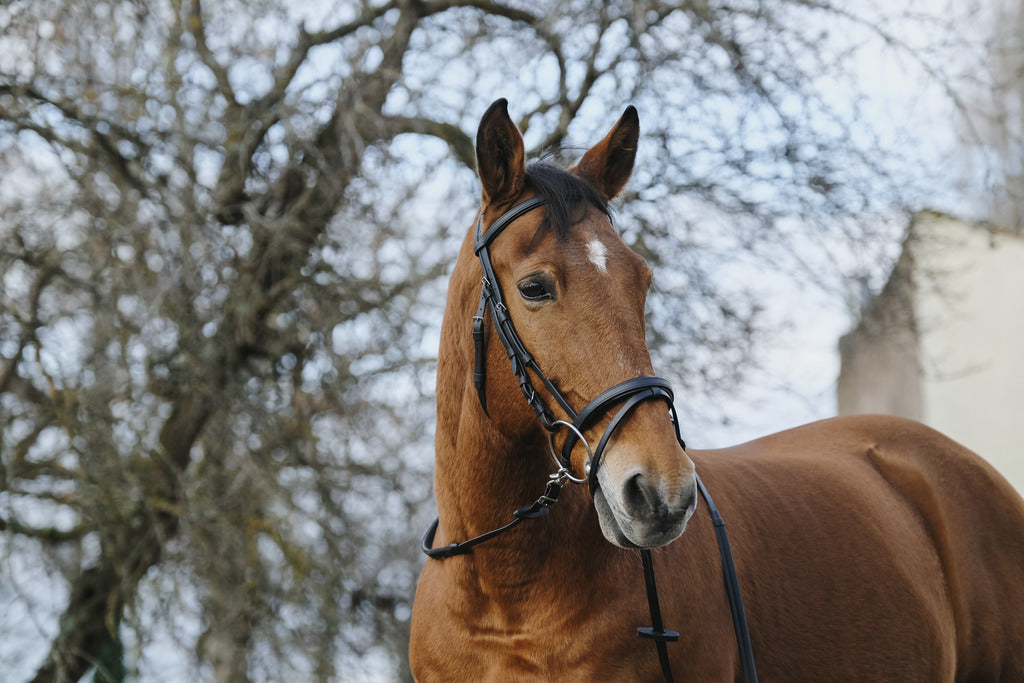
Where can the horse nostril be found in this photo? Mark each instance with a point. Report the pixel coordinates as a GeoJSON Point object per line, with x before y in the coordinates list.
{"type": "Point", "coordinates": [639, 496]}
{"type": "Point", "coordinates": [643, 498]}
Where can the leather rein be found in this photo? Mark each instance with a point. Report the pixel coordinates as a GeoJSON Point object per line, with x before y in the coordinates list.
{"type": "Point", "coordinates": [629, 394]}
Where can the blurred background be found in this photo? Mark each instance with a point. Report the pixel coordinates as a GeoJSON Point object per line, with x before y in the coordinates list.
{"type": "Point", "coordinates": [225, 232]}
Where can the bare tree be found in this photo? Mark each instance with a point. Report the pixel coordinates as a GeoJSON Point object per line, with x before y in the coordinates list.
{"type": "Point", "coordinates": [223, 236]}
{"type": "Point", "coordinates": [993, 129]}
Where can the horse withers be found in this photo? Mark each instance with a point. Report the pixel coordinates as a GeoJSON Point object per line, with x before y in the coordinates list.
{"type": "Point", "coordinates": [867, 548]}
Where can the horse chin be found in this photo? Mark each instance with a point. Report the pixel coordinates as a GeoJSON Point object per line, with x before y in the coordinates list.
{"type": "Point", "coordinates": [609, 526]}
{"type": "Point", "coordinates": [630, 533]}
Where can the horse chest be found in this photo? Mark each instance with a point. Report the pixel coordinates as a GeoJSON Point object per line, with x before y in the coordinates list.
{"type": "Point", "coordinates": [536, 652]}
{"type": "Point", "coordinates": [540, 638]}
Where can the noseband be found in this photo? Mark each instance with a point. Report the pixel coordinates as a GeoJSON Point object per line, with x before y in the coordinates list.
{"type": "Point", "coordinates": [629, 393]}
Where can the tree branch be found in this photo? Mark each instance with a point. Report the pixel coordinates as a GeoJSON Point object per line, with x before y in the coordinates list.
{"type": "Point", "coordinates": [197, 28]}
{"type": "Point", "coordinates": [495, 9]}
{"type": "Point", "coordinates": [50, 535]}
{"type": "Point", "coordinates": [458, 141]}
{"type": "Point", "coordinates": [29, 323]}
{"type": "Point", "coordinates": [568, 104]}
{"type": "Point", "coordinates": [105, 142]}
{"type": "Point", "coordinates": [88, 638]}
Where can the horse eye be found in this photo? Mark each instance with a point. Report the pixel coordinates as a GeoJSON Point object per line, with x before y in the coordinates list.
{"type": "Point", "coordinates": [535, 290]}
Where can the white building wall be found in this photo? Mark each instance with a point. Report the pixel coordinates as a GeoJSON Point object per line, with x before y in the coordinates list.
{"type": "Point", "coordinates": [955, 361]}
{"type": "Point", "coordinates": [970, 314]}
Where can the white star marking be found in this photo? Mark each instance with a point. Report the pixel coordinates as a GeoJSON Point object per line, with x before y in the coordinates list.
{"type": "Point", "coordinates": [598, 255]}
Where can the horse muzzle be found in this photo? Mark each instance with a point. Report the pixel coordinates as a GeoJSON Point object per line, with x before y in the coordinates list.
{"type": "Point", "coordinates": [638, 510]}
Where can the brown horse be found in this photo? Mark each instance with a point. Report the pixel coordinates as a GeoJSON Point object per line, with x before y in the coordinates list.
{"type": "Point", "coordinates": [868, 548]}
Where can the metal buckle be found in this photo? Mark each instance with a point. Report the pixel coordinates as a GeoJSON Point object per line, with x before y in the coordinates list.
{"type": "Point", "coordinates": [563, 467]}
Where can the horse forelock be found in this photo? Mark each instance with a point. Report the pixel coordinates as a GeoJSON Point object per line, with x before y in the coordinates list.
{"type": "Point", "coordinates": [565, 194]}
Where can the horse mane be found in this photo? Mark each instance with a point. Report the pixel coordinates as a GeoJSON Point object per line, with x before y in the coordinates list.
{"type": "Point", "coordinates": [564, 194]}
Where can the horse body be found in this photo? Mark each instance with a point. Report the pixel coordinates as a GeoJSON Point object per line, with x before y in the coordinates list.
{"type": "Point", "coordinates": [868, 548]}
{"type": "Point", "coordinates": [873, 548]}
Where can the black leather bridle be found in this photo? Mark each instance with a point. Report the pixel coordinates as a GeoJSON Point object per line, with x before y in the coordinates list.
{"type": "Point", "coordinates": [629, 393]}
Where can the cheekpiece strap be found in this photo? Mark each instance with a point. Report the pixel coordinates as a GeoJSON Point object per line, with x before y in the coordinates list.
{"type": "Point", "coordinates": [491, 297]}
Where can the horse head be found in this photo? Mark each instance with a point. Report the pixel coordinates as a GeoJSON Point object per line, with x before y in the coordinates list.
{"type": "Point", "coordinates": [574, 294]}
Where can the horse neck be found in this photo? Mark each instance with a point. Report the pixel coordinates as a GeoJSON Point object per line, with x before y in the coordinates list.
{"type": "Point", "coordinates": [483, 474]}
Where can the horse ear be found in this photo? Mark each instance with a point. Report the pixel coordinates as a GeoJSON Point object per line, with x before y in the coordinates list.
{"type": "Point", "coordinates": [500, 155]}
{"type": "Point", "coordinates": [609, 163]}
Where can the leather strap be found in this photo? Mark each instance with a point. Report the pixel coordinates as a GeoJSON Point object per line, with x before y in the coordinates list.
{"type": "Point", "coordinates": [614, 394]}
{"type": "Point", "coordinates": [656, 631]}
{"type": "Point", "coordinates": [632, 391]}
{"type": "Point", "coordinates": [539, 508]}
{"type": "Point", "coordinates": [732, 588]}
{"type": "Point", "coordinates": [660, 635]}
{"type": "Point", "coordinates": [483, 240]}
{"type": "Point", "coordinates": [626, 409]}
{"type": "Point", "coordinates": [480, 353]}
{"type": "Point", "coordinates": [491, 297]}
